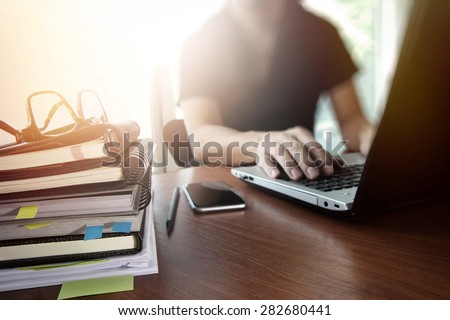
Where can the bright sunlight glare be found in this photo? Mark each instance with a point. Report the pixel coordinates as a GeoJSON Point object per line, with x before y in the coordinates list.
{"type": "Point", "coordinates": [109, 46]}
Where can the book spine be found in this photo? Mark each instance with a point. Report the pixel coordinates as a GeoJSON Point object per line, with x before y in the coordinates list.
{"type": "Point", "coordinates": [62, 238]}
{"type": "Point", "coordinates": [66, 258]}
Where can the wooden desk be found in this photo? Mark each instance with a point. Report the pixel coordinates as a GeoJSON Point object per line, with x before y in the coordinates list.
{"type": "Point", "coordinates": [278, 250]}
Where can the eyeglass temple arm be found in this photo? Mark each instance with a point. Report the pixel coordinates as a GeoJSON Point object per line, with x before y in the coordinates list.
{"type": "Point", "coordinates": [16, 133]}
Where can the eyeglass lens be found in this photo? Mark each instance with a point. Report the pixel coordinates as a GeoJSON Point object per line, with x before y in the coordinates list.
{"type": "Point", "coordinates": [90, 108]}
{"type": "Point", "coordinates": [52, 114]}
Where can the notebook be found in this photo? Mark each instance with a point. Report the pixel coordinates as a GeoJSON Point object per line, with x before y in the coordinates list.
{"type": "Point", "coordinates": [143, 262]}
{"type": "Point", "coordinates": [30, 243]}
{"type": "Point", "coordinates": [115, 200]}
{"type": "Point", "coordinates": [407, 162]}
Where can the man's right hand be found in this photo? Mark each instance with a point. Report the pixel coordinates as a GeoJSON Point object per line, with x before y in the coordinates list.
{"type": "Point", "coordinates": [296, 152]}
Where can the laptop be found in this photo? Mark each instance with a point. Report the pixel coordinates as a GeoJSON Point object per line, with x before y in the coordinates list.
{"type": "Point", "coordinates": [409, 161]}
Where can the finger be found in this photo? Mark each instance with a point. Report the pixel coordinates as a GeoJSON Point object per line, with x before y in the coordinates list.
{"type": "Point", "coordinates": [322, 159]}
{"type": "Point", "coordinates": [299, 153]}
{"type": "Point", "coordinates": [317, 156]}
{"type": "Point", "coordinates": [338, 162]}
{"type": "Point", "coordinates": [269, 166]}
{"type": "Point", "coordinates": [284, 158]}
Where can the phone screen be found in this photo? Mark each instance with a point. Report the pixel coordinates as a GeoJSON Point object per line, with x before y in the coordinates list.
{"type": "Point", "coordinates": [212, 196]}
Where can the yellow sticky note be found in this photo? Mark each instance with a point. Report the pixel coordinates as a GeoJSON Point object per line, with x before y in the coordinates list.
{"type": "Point", "coordinates": [89, 287]}
{"type": "Point", "coordinates": [38, 225]}
{"type": "Point", "coordinates": [28, 212]}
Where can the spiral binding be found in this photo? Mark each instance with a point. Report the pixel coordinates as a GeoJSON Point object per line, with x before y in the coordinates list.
{"type": "Point", "coordinates": [141, 175]}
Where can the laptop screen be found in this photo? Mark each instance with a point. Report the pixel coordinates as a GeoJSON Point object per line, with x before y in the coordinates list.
{"type": "Point", "coordinates": [408, 160]}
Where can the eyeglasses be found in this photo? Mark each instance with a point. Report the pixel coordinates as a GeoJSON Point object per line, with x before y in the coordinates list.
{"type": "Point", "coordinates": [50, 115]}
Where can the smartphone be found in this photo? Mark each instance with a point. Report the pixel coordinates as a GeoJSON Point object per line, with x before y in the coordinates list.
{"type": "Point", "coordinates": [214, 196]}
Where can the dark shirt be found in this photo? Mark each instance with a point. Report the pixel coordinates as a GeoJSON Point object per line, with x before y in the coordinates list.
{"type": "Point", "coordinates": [309, 57]}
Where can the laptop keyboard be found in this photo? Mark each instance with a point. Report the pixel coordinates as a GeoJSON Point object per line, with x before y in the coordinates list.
{"type": "Point", "coordinates": [346, 177]}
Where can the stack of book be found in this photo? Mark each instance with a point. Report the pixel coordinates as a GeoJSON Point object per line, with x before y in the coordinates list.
{"type": "Point", "coordinates": [75, 212]}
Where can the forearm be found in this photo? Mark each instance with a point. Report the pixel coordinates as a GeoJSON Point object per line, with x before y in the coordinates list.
{"type": "Point", "coordinates": [219, 145]}
{"type": "Point", "coordinates": [355, 128]}
{"type": "Point", "coordinates": [211, 141]}
{"type": "Point", "coordinates": [359, 133]}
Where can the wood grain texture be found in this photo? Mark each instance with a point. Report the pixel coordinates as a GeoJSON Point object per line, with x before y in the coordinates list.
{"type": "Point", "coordinates": [276, 249]}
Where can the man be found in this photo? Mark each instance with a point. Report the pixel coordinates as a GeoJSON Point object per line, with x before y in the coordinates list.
{"type": "Point", "coordinates": [259, 67]}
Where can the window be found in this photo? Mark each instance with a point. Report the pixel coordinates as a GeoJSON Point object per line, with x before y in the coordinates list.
{"type": "Point", "coordinates": [372, 31]}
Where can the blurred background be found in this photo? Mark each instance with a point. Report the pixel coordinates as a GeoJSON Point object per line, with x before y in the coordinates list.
{"type": "Point", "coordinates": [127, 52]}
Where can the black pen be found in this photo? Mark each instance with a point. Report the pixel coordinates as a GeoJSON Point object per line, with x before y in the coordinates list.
{"type": "Point", "coordinates": [173, 209]}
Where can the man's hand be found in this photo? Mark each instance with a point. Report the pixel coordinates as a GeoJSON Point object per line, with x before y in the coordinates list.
{"type": "Point", "coordinates": [296, 152]}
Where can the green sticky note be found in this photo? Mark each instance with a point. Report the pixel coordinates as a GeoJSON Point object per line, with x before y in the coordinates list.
{"type": "Point", "coordinates": [28, 212]}
{"type": "Point", "coordinates": [89, 287]}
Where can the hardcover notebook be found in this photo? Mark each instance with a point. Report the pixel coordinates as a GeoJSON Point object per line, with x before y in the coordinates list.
{"type": "Point", "coordinates": [143, 262]}
{"type": "Point", "coordinates": [27, 243]}
{"type": "Point", "coordinates": [407, 162]}
{"type": "Point", "coordinates": [75, 189]}
{"type": "Point", "coordinates": [58, 167]}
{"type": "Point", "coordinates": [62, 158]}
{"type": "Point", "coordinates": [113, 202]}
{"type": "Point", "coordinates": [90, 162]}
